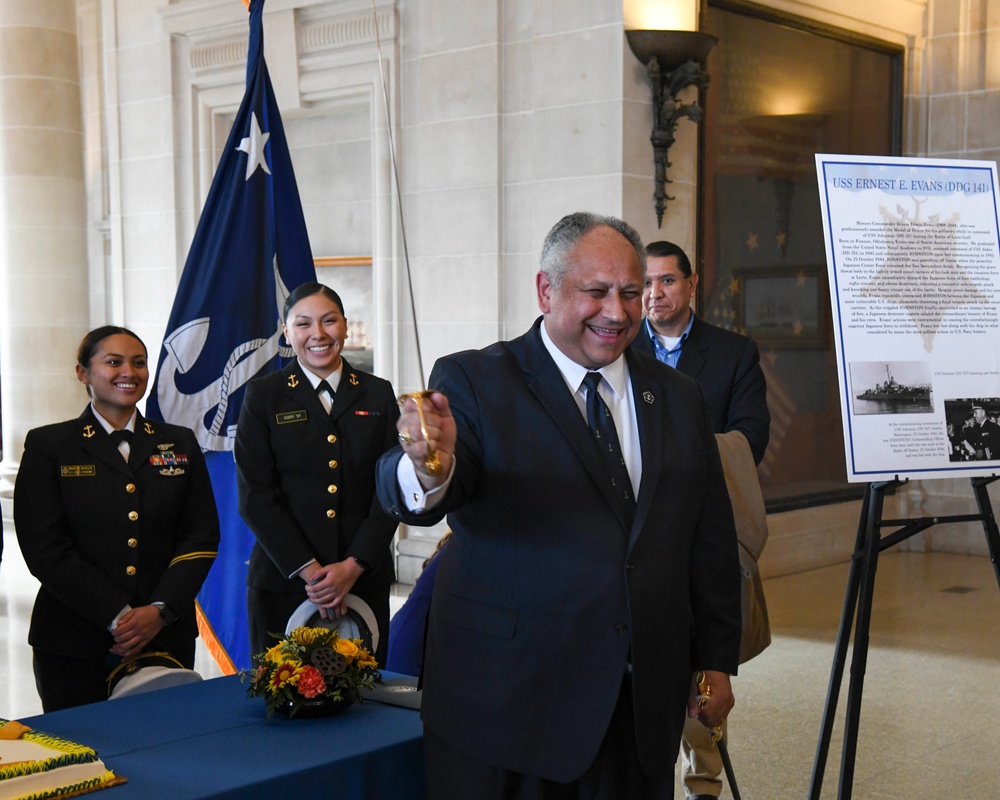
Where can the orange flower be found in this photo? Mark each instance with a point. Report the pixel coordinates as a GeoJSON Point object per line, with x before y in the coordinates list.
{"type": "Point", "coordinates": [311, 683]}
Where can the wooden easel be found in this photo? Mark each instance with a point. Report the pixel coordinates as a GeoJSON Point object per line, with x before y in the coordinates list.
{"type": "Point", "coordinates": [860, 590]}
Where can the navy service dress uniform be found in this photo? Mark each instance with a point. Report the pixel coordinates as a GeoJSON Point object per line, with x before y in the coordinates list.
{"type": "Point", "coordinates": [101, 534]}
{"type": "Point", "coordinates": [984, 440]}
{"type": "Point", "coordinates": [307, 491]}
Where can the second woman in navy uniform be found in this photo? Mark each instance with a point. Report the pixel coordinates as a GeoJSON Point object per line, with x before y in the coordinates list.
{"type": "Point", "coordinates": [120, 536]}
{"type": "Point", "coordinates": [305, 460]}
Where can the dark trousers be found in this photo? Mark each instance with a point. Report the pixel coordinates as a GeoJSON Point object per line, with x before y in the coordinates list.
{"type": "Point", "coordinates": [615, 773]}
{"type": "Point", "coordinates": [65, 682]}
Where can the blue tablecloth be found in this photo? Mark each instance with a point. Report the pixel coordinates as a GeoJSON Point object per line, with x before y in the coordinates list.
{"type": "Point", "coordinates": [209, 740]}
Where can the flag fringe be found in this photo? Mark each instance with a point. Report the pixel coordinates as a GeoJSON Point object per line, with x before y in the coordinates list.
{"type": "Point", "coordinates": [215, 648]}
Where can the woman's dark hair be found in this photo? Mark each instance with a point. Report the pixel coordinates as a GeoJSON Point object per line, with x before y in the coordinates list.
{"type": "Point", "coordinates": [89, 343]}
{"type": "Point", "coordinates": [308, 289]}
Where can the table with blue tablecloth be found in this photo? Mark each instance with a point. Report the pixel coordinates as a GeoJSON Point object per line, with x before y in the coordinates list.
{"type": "Point", "coordinates": [209, 740]}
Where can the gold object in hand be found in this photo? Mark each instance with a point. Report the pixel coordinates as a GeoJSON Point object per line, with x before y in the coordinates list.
{"type": "Point", "coordinates": [704, 693]}
{"type": "Point", "coordinates": [432, 460]}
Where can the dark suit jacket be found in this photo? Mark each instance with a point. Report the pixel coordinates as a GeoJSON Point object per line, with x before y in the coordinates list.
{"type": "Point", "coordinates": [100, 534]}
{"type": "Point", "coordinates": [307, 478]}
{"type": "Point", "coordinates": [727, 365]}
{"type": "Point", "coordinates": [544, 592]}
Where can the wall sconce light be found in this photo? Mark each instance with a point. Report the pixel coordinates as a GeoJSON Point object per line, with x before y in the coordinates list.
{"type": "Point", "coordinates": [673, 62]}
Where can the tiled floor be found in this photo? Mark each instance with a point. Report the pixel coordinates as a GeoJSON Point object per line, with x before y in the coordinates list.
{"type": "Point", "coordinates": [930, 721]}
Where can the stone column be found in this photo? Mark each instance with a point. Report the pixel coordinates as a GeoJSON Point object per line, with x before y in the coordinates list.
{"type": "Point", "coordinates": [44, 305]}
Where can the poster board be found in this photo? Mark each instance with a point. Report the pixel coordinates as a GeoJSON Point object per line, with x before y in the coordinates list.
{"type": "Point", "coordinates": [913, 256]}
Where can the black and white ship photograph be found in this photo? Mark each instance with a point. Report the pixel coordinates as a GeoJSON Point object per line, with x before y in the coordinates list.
{"type": "Point", "coordinates": [891, 387]}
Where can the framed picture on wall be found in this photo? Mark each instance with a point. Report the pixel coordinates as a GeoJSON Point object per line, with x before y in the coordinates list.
{"type": "Point", "coordinates": [784, 307]}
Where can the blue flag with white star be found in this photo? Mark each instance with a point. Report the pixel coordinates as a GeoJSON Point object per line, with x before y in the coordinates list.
{"type": "Point", "coordinates": [250, 250]}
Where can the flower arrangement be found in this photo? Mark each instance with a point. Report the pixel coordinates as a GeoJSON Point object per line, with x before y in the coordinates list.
{"type": "Point", "coordinates": [309, 667]}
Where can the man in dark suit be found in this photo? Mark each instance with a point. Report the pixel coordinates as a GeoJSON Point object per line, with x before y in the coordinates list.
{"type": "Point", "coordinates": [570, 610]}
{"type": "Point", "coordinates": [725, 364]}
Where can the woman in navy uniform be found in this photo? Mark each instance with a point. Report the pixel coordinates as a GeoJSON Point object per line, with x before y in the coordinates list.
{"type": "Point", "coordinates": [116, 518]}
{"type": "Point", "coordinates": [307, 442]}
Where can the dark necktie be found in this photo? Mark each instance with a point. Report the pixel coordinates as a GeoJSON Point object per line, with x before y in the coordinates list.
{"type": "Point", "coordinates": [325, 387]}
{"type": "Point", "coordinates": [121, 436]}
{"type": "Point", "coordinates": [602, 425]}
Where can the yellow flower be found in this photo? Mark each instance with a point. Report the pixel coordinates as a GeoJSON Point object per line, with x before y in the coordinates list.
{"type": "Point", "coordinates": [366, 660]}
{"type": "Point", "coordinates": [306, 637]}
{"type": "Point", "coordinates": [285, 674]}
{"type": "Point", "coordinates": [347, 648]}
{"type": "Point", "coordinates": [274, 654]}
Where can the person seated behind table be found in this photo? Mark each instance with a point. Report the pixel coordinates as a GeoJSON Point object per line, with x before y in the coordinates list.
{"type": "Point", "coordinates": [116, 518]}
{"type": "Point", "coordinates": [408, 625]}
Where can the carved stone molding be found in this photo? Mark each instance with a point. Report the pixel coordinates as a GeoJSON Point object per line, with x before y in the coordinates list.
{"type": "Point", "coordinates": [319, 35]}
{"type": "Point", "coordinates": [218, 55]}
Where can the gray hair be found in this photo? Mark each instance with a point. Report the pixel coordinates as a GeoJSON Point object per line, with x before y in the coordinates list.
{"type": "Point", "coordinates": [569, 230]}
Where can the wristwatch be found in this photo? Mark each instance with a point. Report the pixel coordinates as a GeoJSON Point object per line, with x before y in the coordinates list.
{"type": "Point", "coordinates": [167, 614]}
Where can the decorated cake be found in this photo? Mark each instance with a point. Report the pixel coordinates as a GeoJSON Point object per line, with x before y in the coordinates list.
{"type": "Point", "coordinates": [34, 765]}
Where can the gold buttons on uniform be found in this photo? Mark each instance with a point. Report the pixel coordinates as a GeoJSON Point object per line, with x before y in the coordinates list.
{"type": "Point", "coordinates": [334, 464]}
{"type": "Point", "coordinates": [130, 571]}
{"type": "Point", "coordinates": [130, 488]}
{"type": "Point", "coordinates": [133, 542]}
{"type": "Point", "coordinates": [133, 515]}
{"type": "Point", "coordinates": [332, 488]}
{"type": "Point", "coordinates": [332, 438]}
{"type": "Point", "coordinates": [330, 513]}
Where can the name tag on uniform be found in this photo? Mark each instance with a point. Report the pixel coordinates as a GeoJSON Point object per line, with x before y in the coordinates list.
{"type": "Point", "coordinates": [78, 471]}
{"type": "Point", "coordinates": [291, 416]}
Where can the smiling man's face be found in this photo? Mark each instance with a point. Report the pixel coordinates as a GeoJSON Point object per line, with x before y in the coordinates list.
{"type": "Point", "coordinates": [594, 314]}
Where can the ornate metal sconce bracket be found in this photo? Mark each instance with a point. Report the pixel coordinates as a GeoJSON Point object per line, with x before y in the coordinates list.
{"type": "Point", "coordinates": [673, 62]}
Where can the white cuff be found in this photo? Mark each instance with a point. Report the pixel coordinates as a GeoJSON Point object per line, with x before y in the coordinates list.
{"type": "Point", "coordinates": [417, 500]}
{"type": "Point", "coordinates": [296, 573]}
